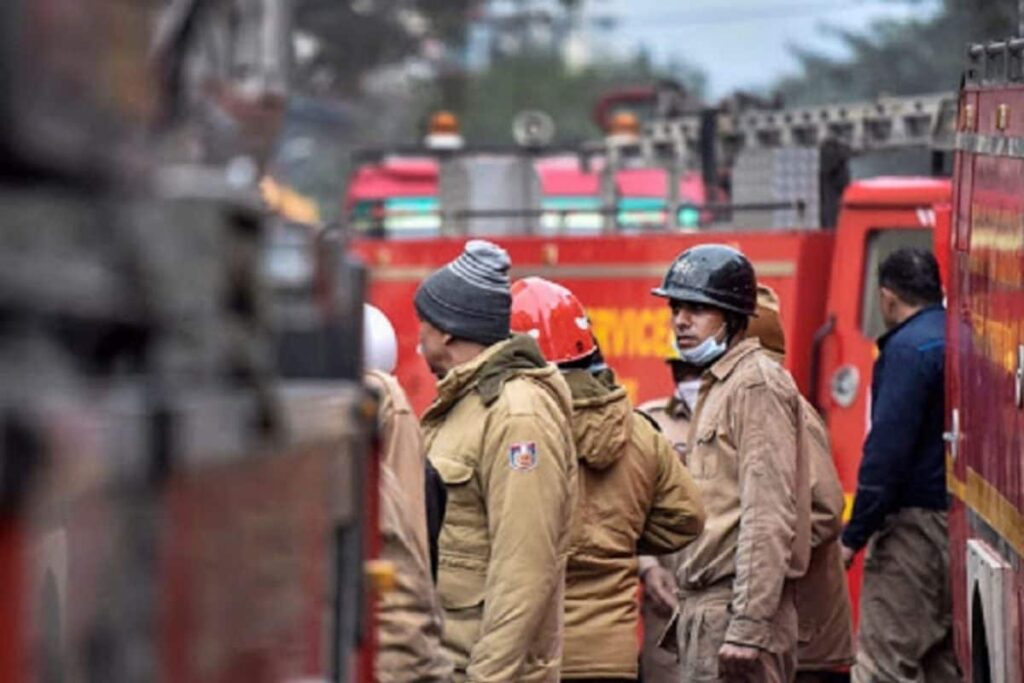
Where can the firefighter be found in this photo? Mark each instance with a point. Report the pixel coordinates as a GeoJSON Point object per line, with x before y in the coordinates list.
{"type": "Point", "coordinates": [822, 594]}
{"type": "Point", "coordinates": [899, 511]}
{"type": "Point", "coordinates": [635, 494]}
{"type": "Point", "coordinates": [499, 435]}
{"type": "Point", "coordinates": [737, 614]}
{"type": "Point", "coordinates": [409, 617]}
{"type": "Point", "coordinates": [823, 599]}
{"type": "Point", "coordinates": [659, 661]}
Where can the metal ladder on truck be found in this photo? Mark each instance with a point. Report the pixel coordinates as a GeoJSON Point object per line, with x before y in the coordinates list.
{"type": "Point", "coordinates": [773, 159]}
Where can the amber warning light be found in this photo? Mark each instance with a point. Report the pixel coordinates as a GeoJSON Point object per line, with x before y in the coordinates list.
{"type": "Point", "coordinates": [443, 132]}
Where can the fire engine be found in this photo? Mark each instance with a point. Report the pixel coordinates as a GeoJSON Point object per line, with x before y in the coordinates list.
{"type": "Point", "coordinates": [180, 498]}
{"type": "Point", "coordinates": [985, 367]}
{"type": "Point", "coordinates": [812, 236]}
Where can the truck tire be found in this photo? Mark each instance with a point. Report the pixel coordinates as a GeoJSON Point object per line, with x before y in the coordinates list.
{"type": "Point", "coordinates": [980, 669]}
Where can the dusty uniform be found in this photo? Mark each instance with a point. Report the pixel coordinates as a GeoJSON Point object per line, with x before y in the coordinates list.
{"type": "Point", "coordinates": [634, 495]}
{"type": "Point", "coordinates": [409, 617]}
{"type": "Point", "coordinates": [661, 664]}
{"type": "Point", "coordinates": [499, 435]}
{"type": "Point", "coordinates": [747, 456]}
{"type": "Point", "coordinates": [822, 594]}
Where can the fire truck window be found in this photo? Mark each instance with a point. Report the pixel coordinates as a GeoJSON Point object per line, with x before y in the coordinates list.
{"type": "Point", "coordinates": [880, 244]}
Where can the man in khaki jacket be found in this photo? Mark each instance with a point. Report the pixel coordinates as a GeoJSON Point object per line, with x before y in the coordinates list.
{"type": "Point", "coordinates": [659, 660]}
{"type": "Point", "coordinates": [822, 594]}
{"type": "Point", "coordinates": [737, 609]}
{"type": "Point", "coordinates": [635, 494]}
{"type": "Point", "coordinates": [499, 435]}
{"type": "Point", "coordinates": [409, 616]}
{"type": "Point", "coordinates": [823, 598]}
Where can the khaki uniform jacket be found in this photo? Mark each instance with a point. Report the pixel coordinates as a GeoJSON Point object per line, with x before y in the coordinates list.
{"type": "Point", "coordinates": [673, 418]}
{"type": "Point", "coordinates": [747, 453]}
{"type": "Point", "coordinates": [499, 435]}
{"type": "Point", "coordinates": [822, 594]}
{"type": "Point", "coordinates": [409, 617]}
{"type": "Point", "coordinates": [634, 495]}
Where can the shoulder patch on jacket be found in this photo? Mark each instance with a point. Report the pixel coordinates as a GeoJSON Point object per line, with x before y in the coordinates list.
{"type": "Point", "coordinates": [523, 456]}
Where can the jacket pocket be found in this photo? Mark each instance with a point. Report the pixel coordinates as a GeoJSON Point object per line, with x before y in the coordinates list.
{"type": "Point", "coordinates": [703, 461]}
{"type": "Point", "coordinates": [453, 472]}
{"type": "Point", "coordinates": [460, 587]}
{"type": "Point", "coordinates": [463, 512]}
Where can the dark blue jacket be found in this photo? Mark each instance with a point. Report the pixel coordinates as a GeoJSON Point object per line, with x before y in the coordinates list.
{"type": "Point", "coordinates": [904, 456]}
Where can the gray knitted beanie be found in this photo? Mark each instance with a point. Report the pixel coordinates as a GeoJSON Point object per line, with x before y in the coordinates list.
{"type": "Point", "coordinates": [469, 298]}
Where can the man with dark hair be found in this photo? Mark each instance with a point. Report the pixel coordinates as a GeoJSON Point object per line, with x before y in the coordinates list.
{"type": "Point", "coordinates": [736, 582]}
{"type": "Point", "coordinates": [900, 508]}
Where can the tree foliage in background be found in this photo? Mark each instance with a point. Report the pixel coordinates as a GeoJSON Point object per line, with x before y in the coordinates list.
{"type": "Point", "coordinates": [490, 100]}
{"type": "Point", "coordinates": [900, 57]}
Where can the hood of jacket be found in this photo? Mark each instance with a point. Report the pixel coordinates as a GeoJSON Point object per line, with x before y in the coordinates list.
{"type": "Point", "coordinates": [602, 418]}
{"type": "Point", "coordinates": [487, 373]}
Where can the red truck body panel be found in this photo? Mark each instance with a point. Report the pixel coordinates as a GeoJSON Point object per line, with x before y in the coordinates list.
{"type": "Point", "coordinates": [984, 356]}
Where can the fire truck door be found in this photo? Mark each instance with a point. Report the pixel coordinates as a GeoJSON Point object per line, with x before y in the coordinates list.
{"type": "Point", "coordinates": [864, 239]}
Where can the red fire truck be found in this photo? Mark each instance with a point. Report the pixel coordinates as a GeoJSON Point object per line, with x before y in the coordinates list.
{"type": "Point", "coordinates": [985, 367]}
{"type": "Point", "coordinates": [820, 254]}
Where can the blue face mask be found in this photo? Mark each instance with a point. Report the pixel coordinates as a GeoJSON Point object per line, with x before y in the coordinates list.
{"type": "Point", "coordinates": [705, 353]}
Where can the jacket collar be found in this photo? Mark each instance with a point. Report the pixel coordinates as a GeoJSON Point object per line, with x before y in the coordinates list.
{"type": "Point", "coordinates": [488, 372]}
{"type": "Point", "coordinates": [727, 363]}
{"type": "Point", "coordinates": [884, 339]}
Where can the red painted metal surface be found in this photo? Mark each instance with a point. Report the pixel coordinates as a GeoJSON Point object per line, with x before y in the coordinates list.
{"type": "Point", "coordinates": [247, 571]}
{"type": "Point", "coordinates": [613, 277]}
{"type": "Point", "coordinates": [920, 205]}
{"type": "Point", "coordinates": [986, 310]}
{"type": "Point", "coordinates": [12, 598]}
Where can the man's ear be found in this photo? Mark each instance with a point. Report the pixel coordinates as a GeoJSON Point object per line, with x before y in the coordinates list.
{"type": "Point", "coordinates": [446, 338]}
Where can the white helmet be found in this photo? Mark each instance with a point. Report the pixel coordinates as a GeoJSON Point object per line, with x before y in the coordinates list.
{"type": "Point", "coordinates": [380, 345]}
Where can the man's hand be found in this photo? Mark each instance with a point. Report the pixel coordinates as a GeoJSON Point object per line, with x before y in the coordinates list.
{"type": "Point", "coordinates": [660, 587]}
{"type": "Point", "coordinates": [737, 661]}
{"type": "Point", "coordinates": [848, 556]}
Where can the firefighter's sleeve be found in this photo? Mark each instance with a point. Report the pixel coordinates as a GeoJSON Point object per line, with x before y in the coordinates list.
{"type": "Point", "coordinates": [890, 447]}
{"type": "Point", "coordinates": [529, 505]}
{"type": "Point", "coordinates": [409, 616]}
{"type": "Point", "coordinates": [826, 490]}
{"type": "Point", "coordinates": [676, 515]}
{"type": "Point", "coordinates": [766, 446]}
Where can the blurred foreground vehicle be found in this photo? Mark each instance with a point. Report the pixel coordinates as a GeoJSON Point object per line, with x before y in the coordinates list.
{"type": "Point", "coordinates": [185, 485]}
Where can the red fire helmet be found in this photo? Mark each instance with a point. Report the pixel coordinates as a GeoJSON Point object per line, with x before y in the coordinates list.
{"type": "Point", "coordinates": [553, 316]}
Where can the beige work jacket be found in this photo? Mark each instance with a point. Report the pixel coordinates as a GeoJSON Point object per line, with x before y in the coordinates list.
{"type": "Point", "coordinates": [748, 454]}
{"type": "Point", "coordinates": [499, 435]}
{"type": "Point", "coordinates": [634, 496]}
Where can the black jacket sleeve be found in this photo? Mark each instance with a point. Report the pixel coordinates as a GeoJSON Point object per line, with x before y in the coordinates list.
{"type": "Point", "coordinates": [437, 499]}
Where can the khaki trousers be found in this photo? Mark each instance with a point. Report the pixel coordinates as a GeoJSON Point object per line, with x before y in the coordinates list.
{"type": "Point", "coordinates": [703, 620]}
{"type": "Point", "coordinates": [657, 665]}
{"type": "Point", "coordinates": [905, 630]}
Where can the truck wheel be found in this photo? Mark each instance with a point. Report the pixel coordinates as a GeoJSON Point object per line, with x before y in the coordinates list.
{"type": "Point", "coordinates": [980, 671]}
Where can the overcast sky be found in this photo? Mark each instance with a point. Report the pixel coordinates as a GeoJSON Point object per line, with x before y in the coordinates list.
{"type": "Point", "coordinates": [742, 43]}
